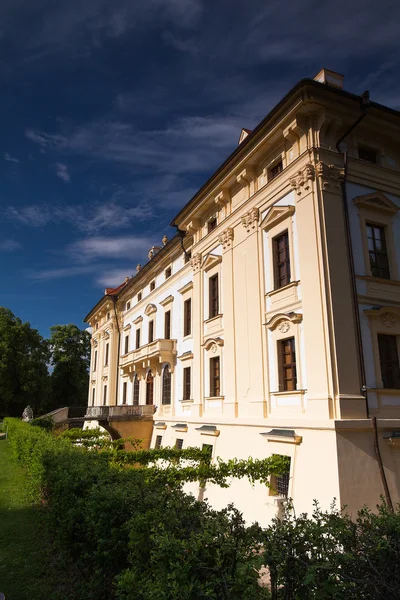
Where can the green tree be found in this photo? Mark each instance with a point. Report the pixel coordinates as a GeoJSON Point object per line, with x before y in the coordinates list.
{"type": "Point", "coordinates": [70, 358]}
{"type": "Point", "coordinates": [24, 355]}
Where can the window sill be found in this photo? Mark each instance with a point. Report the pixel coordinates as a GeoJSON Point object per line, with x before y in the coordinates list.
{"type": "Point", "coordinates": [187, 401]}
{"type": "Point", "coordinates": [380, 280]}
{"type": "Point", "coordinates": [211, 319]}
{"type": "Point", "coordinates": [187, 337]}
{"type": "Point", "coordinates": [388, 391]}
{"type": "Point", "coordinates": [283, 288]}
{"type": "Point", "coordinates": [288, 392]}
{"type": "Point", "coordinates": [214, 397]}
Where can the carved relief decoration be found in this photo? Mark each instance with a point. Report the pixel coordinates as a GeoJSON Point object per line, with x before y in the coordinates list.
{"type": "Point", "coordinates": [195, 261]}
{"type": "Point", "coordinates": [226, 237]}
{"type": "Point", "coordinates": [302, 181]}
{"type": "Point", "coordinates": [250, 219]}
{"type": "Point", "coordinates": [330, 175]}
{"type": "Point", "coordinates": [388, 320]}
{"type": "Point", "coordinates": [213, 344]}
{"type": "Point", "coordinates": [284, 326]}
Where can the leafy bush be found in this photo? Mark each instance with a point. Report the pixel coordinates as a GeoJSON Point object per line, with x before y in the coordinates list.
{"type": "Point", "coordinates": [45, 423]}
{"type": "Point", "coordinates": [135, 535]}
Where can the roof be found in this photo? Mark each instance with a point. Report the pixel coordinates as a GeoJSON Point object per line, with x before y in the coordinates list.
{"type": "Point", "coordinates": [241, 148]}
{"type": "Point", "coordinates": [114, 291]}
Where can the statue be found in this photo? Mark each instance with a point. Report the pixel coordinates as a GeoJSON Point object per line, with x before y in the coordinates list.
{"type": "Point", "coordinates": [27, 415]}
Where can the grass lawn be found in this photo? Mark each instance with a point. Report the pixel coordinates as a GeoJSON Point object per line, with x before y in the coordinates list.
{"type": "Point", "coordinates": [28, 567]}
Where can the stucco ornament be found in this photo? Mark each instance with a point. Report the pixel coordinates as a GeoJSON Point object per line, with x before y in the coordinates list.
{"type": "Point", "coordinates": [388, 320]}
{"type": "Point", "coordinates": [250, 219]}
{"type": "Point", "coordinates": [302, 181]}
{"type": "Point", "coordinates": [196, 262]}
{"type": "Point", "coordinates": [27, 415]}
{"type": "Point", "coordinates": [214, 348]}
{"type": "Point", "coordinates": [226, 237]}
{"type": "Point", "coordinates": [330, 175]}
{"type": "Point", "coordinates": [284, 327]}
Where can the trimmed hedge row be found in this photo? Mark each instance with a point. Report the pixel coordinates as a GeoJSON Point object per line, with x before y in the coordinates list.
{"type": "Point", "coordinates": [133, 537]}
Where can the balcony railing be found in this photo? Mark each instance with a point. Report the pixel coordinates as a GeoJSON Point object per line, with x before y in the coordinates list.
{"type": "Point", "coordinates": [124, 412]}
{"type": "Point", "coordinates": [159, 351]}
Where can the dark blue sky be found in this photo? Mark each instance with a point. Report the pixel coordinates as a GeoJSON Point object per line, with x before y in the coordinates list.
{"type": "Point", "coordinates": [114, 113]}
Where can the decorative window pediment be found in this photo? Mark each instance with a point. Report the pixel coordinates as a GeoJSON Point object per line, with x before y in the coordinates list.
{"type": "Point", "coordinates": [388, 315]}
{"type": "Point", "coordinates": [275, 215]}
{"type": "Point", "coordinates": [150, 309]}
{"type": "Point", "coordinates": [167, 300]}
{"type": "Point", "coordinates": [210, 261]}
{"type": "Point", "coordinates": [283, 320]}
{"type": "Point", "coordinates": [213, 342]}
{"type": "Point", "coordinates": [377, 201]}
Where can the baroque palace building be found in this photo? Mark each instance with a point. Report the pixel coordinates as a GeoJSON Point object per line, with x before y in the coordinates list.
{"type": "Point", "coordinates": [270, 323]}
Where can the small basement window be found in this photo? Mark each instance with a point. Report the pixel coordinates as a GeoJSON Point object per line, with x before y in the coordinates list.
{"type": "Point", "coordinates": [280, 484]}
{"type": "Point", "coordinates": [368, 154]}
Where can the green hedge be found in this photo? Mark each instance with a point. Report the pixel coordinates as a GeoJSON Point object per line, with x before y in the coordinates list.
{"type": "Point", "coordinates": [133, 537]}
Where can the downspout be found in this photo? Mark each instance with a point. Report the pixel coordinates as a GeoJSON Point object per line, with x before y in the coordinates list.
{"type": "Point", "coordinates": [365, 104]}
{"type": "Point", "coordinates": [115, 298]}
{"type": "Point", "coordinates": [182, 235]}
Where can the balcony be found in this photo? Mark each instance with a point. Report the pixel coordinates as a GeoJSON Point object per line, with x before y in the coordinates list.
{"type": "Point", "coordinates": [122, 412]}
{"type": "Point", "coordinates": [149, 355]}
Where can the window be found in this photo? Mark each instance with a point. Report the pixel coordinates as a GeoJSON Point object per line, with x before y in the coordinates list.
{"type": "Point", "coordinates": [168, 273]}
{"type": "Point", "coordinates": [126, 348]}
{"type": "Point", "coordinates": [187, 383]}
{"type": "Point", "coordinates": [282, 260]}
{"type": "Point", "coordinates": [166, 386]}
{"type": "Point", "coordinates": [137, 339]}
{"type": "Point", "coordinates": [157, 444]}
{"type": "Point", "coordinates": [179, 443]}
{"type": "Point", "coordinates": [368, 154]}
{"type": "Point", "coordinates": [167, 325]}
{"type": "Point", "coordinates": [124, 392]}
{"type": "Point", "coordinates": [378, 256]}
{"type": "Point", "coordinates": [151, 331]}
{"type": "Point", "coordinates": [95, 361]}
{"type": "Point", "coordinates": [136, 390]}
{"type": "Point", "coordinates": [188, 256]}
{"type": "Point", "coordinates": [213, 296]}
{"type": "Point", "coordinates": [187, 317]}
{"type": "Point", "coordinates": [287, 364]}
{"type": "Point", "coordinates": [215, 378]}
{"type": "Point", "coordinates": [97, 325]}
{"type": "Point", "coordinates": [275, 170]}
{"type": "Point", "coordinates": [139, 296]}
{"type": "Point", "coordinates": [93, 396]}
{"type": "Point", "coordinates": [211, 225]}
{"type": "Point", "coordinates": [128, 305]}
{"type": "Point", "coordinates": [152, 285]}
{"type": "Point", "coordinates": [108, 316]}
{"type": "Point", "coordinates": [280, 483]}
{"type": "Point", "coordinates": [106, 356]}
{"type": "Point", "coordinates": [149, 388]}
{"type": "Point", "coordinates": [389, 359]}
{"type": "Point", "coordinates": [208, 448]}
{"type": "Point", "coordinates": [104, 395]}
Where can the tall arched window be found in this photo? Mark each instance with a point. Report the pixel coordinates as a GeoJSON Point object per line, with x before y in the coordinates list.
{"type": "Point", "coordinates": [149, 388]}
{"type": "Point", "coordinates": [166, 386]}
{"type": "Point", "coordinates": [136, 390]}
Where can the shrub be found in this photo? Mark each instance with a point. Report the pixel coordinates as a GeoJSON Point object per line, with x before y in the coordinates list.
{"type": "Point", "coordinates": [45, 423]}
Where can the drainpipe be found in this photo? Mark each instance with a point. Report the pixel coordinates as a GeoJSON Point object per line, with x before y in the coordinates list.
{"type": "Point", "coordinates": [364, 105]}
{"type": "Point", "coordinates": [182, 235]}
{"type": "Point", "coordinates": [115, 298]}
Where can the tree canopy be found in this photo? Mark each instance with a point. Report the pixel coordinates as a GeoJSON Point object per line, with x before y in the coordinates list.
{"type": "Point", "coordinates": [25, 357]}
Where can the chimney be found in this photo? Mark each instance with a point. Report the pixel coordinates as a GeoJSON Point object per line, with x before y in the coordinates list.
{"type": "Point", "coordinates": [330, 78]}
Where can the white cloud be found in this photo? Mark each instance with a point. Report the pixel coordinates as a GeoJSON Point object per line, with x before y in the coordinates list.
{"type": "Point", "coordinates": [100, 247]}
{"type": "Point", "coordinates": [62, 172]}
{"type": "Point", "coordinates": [88, 218]}
{"type": "Point", "coordinates": [60, 273]}
{"type": "Point", "coordinates": [10, 158]}
{"type": "Point", "coordinates": [113, 277]}
{"type": "Point", "coordinates": [9, 246]}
